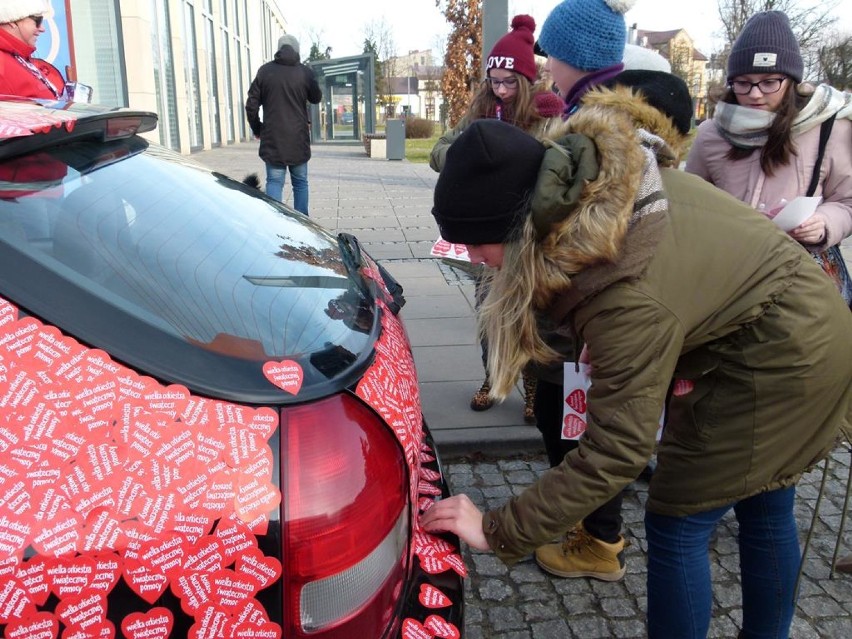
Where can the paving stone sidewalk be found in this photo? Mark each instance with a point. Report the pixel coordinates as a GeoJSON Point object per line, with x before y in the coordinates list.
{"type": "Point", "coordinates": [524, 602]}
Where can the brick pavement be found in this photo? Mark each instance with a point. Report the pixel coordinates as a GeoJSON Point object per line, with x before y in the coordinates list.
{"type": "Point", "coordinates": [524, 602]}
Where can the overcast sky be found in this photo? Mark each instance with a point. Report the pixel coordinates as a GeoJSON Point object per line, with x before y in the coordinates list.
{"type": "Point", "coordinates": [418, 24]}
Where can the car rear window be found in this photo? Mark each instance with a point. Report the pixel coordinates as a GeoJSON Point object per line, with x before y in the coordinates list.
{"type": "Point", "coordinates": [180, 255]}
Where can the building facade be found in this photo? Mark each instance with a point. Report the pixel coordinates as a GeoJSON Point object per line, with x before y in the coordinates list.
{"type": "Point", "coordinates": [190, 61]}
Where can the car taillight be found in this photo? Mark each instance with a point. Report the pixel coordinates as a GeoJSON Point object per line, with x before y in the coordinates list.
{"type": "Point", "coordinates": [346, 514]}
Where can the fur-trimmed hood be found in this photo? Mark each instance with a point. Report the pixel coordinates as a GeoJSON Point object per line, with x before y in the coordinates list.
{"type": "Point", "coordinates": [598, 182]}
{"type": "Point", "coordinates": [596, 214]}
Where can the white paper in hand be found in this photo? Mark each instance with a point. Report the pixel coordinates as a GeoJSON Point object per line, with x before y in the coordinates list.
{"type": "Point", "coordinates": [796, 212]}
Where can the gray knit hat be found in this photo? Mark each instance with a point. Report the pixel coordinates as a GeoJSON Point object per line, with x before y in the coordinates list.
{"type": "Point", "coordinates": [288, 39]}
{"type": "Point", "coordinates": [766, 45]}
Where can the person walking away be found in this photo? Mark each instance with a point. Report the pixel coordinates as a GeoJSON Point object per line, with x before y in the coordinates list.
{"type": "Point", "coordinates": [509, 93]}
{"type": "Point", "coordinates": [284, 87]}
{"type": "Point", "coordinates": [662, 276]}
{"type": "Point", "coordinates": [21, 23]}
{"type": "Point", "coordinates": [763, 142]}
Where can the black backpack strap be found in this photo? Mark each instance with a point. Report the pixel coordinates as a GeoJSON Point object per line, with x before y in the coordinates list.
{"type": "Point", "coordinates": [824, 133]}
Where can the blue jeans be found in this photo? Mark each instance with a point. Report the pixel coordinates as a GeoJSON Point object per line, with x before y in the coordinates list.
{"type": "Point", "coordinates": [679, 586]}
{"type": "Point", "coordinates": [275, 174]}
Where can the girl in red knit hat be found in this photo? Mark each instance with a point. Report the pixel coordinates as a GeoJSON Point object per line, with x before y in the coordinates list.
{"type": "Point", "coordinates": [508, 93]}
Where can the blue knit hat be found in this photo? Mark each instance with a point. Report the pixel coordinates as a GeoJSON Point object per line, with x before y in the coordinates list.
{"type": "Point", "coordinates": [586, 34]}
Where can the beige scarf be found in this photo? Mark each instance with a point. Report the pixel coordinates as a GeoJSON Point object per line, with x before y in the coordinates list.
{"type": "Point", "coordinates": [747, 128]}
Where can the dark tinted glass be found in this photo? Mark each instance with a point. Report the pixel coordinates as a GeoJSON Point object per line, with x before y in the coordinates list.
{"type": "Point", "coordinates": [188, 253]}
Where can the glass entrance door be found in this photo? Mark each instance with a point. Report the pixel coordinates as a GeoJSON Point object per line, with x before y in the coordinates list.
{"type": "Point", "coordinates": [341, 107]}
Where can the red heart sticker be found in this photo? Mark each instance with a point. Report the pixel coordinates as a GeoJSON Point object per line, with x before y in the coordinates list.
{"type": "Point", "coordinates": [14, 533]}
{"type": "Point", "coordinates": [413, 629]}
{"type": "Point", "coordinates": [431, 597]}
{"type": "Point", "coordinates": [429, 475]}
{"type": "Point", "coordinates": [59, 535]}
{"type": "Point", "coordinates": [263, 571]}
{"type": "Point", "coordinates": [456, 563]}
{"type": "Point", "coordinates": [165, 554]}
{"type": "Point", "coordinates": [229, 589]}
{"type": "Point", "coordinates": [101, 630]}
{"type": "Point", "coordinates": [70, 576]}
{"type": "Point", "coordinates": [428, 488]}
{"type": "Point", "coordinates": [683, 387]}
{"type": "Point", "coordinates": [15, 600]}
{"type": "Point", "coordinates": [33, 575]}
{"type": "Point", "coordinates": [194, 589]}
{"type": "Point", "coordinates": [573, 427]}
{"type": "Point", "coordinates": [193, 525]}
{"type": "Point", "coordinates": [267, 630]}
{"type": "Point", "coordinates": [428, 544]}
{"type": "Point", "coordinates": [102, 531]}
{"type": "Point", "coordinates": [8, 312]}
{"type": "Point", "coordinates": [210, 623]}
{"type": "Point", "coordinates": [171, 400]}
{"type": "Point", "coordinates": [83, 610]}
{"type": "Point", "coordinates": [205, 555]}
{"type": "Point", "coordinates": [155, 624]}
{"type": "Point", "coordinates": [255, 498]}
{"type": "Point", "coordinates": [108, 568]}
{"type": "Point", "coordinates": [263, 422]}
{"type": "Point", "coordinates": [249, 611]}
{"type": "Point", "coordinates": [236, 538]}
{"type": "Point", "coordinates": [577, 400]}
{"type": "Point", "coordinates": [286, 375]}
{"type": "Point", "coordinates": [40, 625]}
{"type": "Point", "coordinates": [441, 627]}
{"type": "Point", "coordinates": [434, 565]}
{"type": "Point", "coordinates": [146, 582]}
{"type": "Point", "coordinates": [243, 445]}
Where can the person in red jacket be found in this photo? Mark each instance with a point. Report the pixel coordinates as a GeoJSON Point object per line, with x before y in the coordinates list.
{"type": "Point", "coordinates": [21, 23]}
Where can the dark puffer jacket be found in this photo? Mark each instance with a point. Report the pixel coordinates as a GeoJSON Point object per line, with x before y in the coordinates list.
{"type": "Point", "coordinates": [283, 87]}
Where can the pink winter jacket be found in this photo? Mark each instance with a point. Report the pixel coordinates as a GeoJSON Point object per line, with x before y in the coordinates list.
{"type": "Point", "coordinates": [745, 180]}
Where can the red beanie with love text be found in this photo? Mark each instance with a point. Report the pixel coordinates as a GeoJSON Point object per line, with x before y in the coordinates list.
{"type": "Point", "coordinates": [514, 51]}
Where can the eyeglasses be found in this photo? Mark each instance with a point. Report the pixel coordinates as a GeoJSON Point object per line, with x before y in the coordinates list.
{"type": "Point", "coordinates": [769, 85]}
{"type": "Point", "coordinates": [509, 83]}
{"type": "Point", "coordinates": [37, 19]}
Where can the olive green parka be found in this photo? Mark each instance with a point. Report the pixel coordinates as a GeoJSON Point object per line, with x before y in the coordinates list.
{"type": "Point", "coordinates": [703, 289]}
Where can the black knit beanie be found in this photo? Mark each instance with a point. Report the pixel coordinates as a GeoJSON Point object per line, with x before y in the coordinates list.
{"type": "Point", "coordinates": [488, 173]}
{"type": "Point", "coordinates": [766, 45]}
{"type": "Point", "coordinates": [665, 92]}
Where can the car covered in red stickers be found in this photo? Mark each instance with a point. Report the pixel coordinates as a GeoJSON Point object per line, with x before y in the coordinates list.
{"type": "Point", "coordinates": [210, 423]}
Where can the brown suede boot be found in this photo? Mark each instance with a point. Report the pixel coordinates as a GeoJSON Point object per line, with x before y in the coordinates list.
{"type": "Point", "coordinates": [530, 384]}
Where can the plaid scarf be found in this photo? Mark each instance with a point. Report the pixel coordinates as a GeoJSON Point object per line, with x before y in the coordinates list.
{"type": "Point", "coordinates": [748, 128]}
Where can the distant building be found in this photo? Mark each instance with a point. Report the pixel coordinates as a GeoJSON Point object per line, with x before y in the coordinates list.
{"type": "Point", "coordinates": [415, 87]}
{"type": "Point", "coordinates": [687, 62]}
{"type": "Point", "coordinates": [190, 61]}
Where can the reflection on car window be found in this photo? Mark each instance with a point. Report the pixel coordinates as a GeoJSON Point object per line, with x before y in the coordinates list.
{"type": "Point", "coordinates": [192, 253]}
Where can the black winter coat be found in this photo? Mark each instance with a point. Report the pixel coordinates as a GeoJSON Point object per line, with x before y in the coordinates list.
{"type": "Point", "coordinates": [283, 88]}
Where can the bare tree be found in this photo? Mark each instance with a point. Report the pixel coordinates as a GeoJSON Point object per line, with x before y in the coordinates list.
{"type": "Point", "coordinates": [463, 59]}
{"type": "Point", "coordinates": [318, 51]}
{"type": "Point", "coordinates": [835, 61]}
{"type": "Point", "coordinates": [379, 36]}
